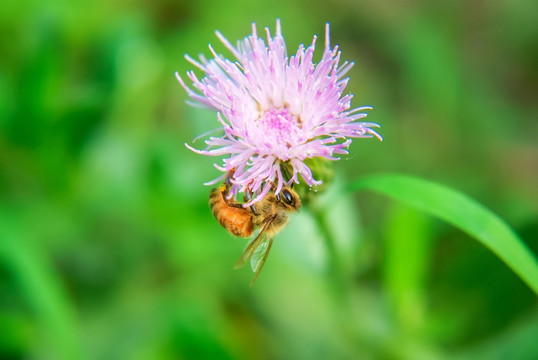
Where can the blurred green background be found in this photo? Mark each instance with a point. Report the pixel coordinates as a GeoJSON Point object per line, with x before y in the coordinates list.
{"type": "Point", "coordinates": [108, 249]}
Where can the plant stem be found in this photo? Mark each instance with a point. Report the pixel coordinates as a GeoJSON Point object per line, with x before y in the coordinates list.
{"type": "Point", "coordinates": [335, 268]}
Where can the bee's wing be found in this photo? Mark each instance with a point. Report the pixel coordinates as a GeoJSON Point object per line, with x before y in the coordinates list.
{"type": "Point", "coordinates": [260, 255]}
{"type": "Point", "coordinates": [254, 244]}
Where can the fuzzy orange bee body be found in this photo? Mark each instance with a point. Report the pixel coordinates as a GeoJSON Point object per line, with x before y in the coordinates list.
{"type": "Point", "coordinates": [237, 221]}
{"type": "Point", "coordinates": [270, 214]}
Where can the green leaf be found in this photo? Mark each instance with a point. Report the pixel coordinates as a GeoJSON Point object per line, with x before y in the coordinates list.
{"type": "Point", "coordinates": [462, 212]}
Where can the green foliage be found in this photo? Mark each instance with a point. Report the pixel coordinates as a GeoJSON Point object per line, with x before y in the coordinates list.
{"type": "Point", "coordinates": [108, 249]}
{"type": "Point", "coordinates": [462, 212]}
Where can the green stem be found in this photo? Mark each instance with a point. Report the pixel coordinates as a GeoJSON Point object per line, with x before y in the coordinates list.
{"type": "Point", "coordinates": [340, 284]}
{"type": "Point", "coordinates": [335, 267]}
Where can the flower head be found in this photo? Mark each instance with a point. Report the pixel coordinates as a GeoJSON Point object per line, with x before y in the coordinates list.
{"type": "Point", "coordinates": [276, 110]}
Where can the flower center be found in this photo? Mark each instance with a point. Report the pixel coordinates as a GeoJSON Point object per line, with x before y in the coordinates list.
{"type": "Point", "coordinates": [280, 127]}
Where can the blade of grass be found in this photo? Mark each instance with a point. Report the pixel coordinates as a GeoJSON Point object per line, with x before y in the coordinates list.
{"type": "Point", "coordinates": [405, 264]}
{"type": "Point", "coordinates": [40, 286]}
{"type": "Point", "coordinates": [462, 212]}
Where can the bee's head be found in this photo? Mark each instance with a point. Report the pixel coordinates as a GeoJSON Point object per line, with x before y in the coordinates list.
{"type": "Point", "coordinates": [289, 199]}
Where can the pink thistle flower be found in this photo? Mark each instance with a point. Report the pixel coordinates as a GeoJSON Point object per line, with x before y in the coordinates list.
{"type": "Point", "coordinates": [276, 110]}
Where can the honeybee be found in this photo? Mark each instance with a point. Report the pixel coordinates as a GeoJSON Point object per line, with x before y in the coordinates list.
{"type": "Point", "coordinates": [270, 215]}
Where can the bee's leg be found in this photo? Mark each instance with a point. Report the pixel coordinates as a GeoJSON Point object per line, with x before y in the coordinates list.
{"type": "Point", "coordinates": [232, 204]}
{"type": "Point", "coordinates": [228, 179]}
{"type": "Point", "coordinates": [248, 197]}
{"type": "Point", "coordinates": [226, 188]}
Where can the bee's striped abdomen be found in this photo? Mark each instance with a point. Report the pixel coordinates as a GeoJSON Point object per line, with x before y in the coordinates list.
{"type": "Point", "coordinates": [237, 221]}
